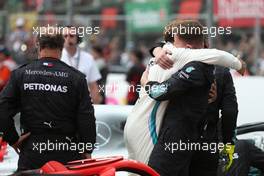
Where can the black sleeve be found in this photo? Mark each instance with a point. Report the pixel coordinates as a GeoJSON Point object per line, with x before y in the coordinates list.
{"type": "Point", "coordinates": [160, 44]}
{"type": "Point", "coordinates": [191, 75]}
{"type": "Point", "coordinates": [9, 105]}
{"type": "Point", "coordinates": [85, 118]}
{"type": "Point", "coordinates": [129, 74]}
{"type": "Point", "coordinates": [229, 108]}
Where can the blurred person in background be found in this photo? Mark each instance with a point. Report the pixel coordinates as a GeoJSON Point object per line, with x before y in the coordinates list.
{"type": "Point", "coordinates": [82, 61]}
{"type": "Point", "coordinates": [7, 59]}
{"type": "Point", "coordinates": [97, 53]}
{"type": "Point", "coordinates": [55, 107]}
{"type": "Point", "coordinates": [4, 72]}
{"type": "Point", "coordinates": [17, 42]}
{"type": "Point", "coordinates": [6, 66]}
{"type": "Point", "coordinates": [115, 51]}
{"type": "Point", "coordinates": [134, 75]}
{"type": "Point", "coordinates": [243, 45]}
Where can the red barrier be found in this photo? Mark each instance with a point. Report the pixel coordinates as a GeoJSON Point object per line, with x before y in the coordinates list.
{"type": "Point", "coordinates": [3, 149]}
{"type": "Point", "coordinates": [99, 166]}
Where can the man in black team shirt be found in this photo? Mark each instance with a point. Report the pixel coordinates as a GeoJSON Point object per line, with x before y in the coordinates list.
{"type": "Point", "coordinates": [206, 162]}
{"type": "Point", "coordinates": [55, 108]}
{"type": "Point", "coordinates": [245, 154]}
{"type": "Point", "coordinates": [223, 98]}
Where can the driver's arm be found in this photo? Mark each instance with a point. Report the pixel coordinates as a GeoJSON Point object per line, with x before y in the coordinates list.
{"type": "Point", "coordinates": [85, 117]}
{"type": "Point", "coordinates": [191, 75]}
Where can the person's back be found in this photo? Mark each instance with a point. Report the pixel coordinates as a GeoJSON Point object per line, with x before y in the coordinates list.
{"type": "Point", "coordinates": [49, 94]}
{"type": "Point", "coordinates": [188, 91]}
{"type": "Point", "coordinates": [190, 106]}
{"type": "Point", "coordinates": [56, 110]}
{"type": "Point", "coordinates": [206, 162]}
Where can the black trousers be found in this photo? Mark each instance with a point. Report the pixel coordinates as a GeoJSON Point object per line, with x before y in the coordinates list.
{"type": "Point", "coordinates": [31, 157]}
{"type": "Point", "coordinates": [169, 160]}
{"type": "Point", "coordinates": [172, 156]}
{"type": "Point", "coordinates": [204, 163]}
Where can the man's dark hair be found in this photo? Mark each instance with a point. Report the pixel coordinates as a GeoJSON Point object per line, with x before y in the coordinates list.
{"type": "Point", "coordinates": [206, 41]}
{"type": "Point", "coordinates": [51, 41]}
{"type": "Point", "coordinates": [189, 31]}
{"type": "Point", "coordinates": [98, 49]}
{"type": "Point", "coordinates": [139, 54]}
{"type": "Point", "coordinates": [75, 27]}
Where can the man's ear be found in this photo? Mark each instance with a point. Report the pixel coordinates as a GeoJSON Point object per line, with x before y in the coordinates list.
{"type": "Point", "coordinates": [189, 46]}
{"type": "Point", "coordinates": [37, 46]}
{"type": "Point", "coordinates": [206, 45]}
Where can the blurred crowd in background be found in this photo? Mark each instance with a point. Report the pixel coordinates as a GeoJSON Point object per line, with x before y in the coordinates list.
{"type": "Point", "coordinates": [128, 29]}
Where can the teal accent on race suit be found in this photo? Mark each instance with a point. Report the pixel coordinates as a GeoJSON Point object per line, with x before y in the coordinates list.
{"type": "Point", "coordinates": [158, 90]}
{"type": "Point", "coordinates": [190, 69]}
{"type": "Point", "coordinates": [152, 123]}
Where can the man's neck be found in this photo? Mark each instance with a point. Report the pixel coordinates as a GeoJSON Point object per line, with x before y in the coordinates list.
{"type": "Point", "coordinates": [71, 50]}
{"type": "Point", "coordinates": [51, 53]}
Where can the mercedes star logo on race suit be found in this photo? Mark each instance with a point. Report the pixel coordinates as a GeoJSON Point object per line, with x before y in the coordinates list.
{"type": "Point", "coordinates": [103, 133]}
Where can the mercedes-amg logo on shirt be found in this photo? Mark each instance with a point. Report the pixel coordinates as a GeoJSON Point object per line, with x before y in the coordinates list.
{"type": "Point", "coordinates": [104, 133]}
